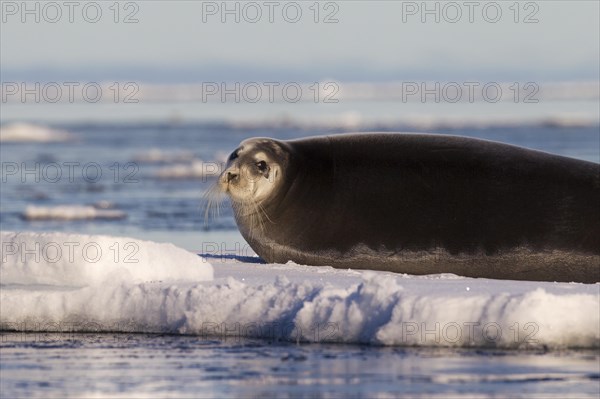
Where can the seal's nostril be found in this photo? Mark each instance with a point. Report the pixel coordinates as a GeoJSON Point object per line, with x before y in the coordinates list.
{"type": "Point", "coordinates": [231, 176]}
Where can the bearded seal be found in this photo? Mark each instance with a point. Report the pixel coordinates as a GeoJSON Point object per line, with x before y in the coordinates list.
{"type": "Point", "coordinates": [418, 204]}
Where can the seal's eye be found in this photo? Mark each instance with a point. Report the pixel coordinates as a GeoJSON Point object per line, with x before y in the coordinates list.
{"type": "Point", "coordinates": [233, 155]}
{"type": "Point", "coordinates": [262, 166]}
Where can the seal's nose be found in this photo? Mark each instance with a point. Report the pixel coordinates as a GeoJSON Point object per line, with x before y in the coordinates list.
{"type": "Point", "coordinates": [231, 176]}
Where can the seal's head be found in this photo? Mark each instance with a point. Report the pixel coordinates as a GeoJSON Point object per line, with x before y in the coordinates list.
{"type": "Point", "coordinates": [254, 171]}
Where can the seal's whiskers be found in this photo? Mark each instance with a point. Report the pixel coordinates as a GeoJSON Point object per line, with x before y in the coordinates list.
{"type": "Point", "coordinates": [214, 197]}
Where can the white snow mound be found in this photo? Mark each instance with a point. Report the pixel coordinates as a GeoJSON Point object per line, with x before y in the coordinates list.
{"type": "Point", "coordinates": [73, 260]}
{"type": "Point", "coordinates": [287, 302]}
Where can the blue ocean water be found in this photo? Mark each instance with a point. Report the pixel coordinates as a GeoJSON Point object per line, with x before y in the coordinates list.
{"type": "Point", "coordinates": [108, 365]}
{"type": "Point", "coordinates": [172, 210]}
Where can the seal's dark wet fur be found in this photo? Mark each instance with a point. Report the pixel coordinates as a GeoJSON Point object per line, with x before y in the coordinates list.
{"type": "Point", "coordinates": [421, 204]}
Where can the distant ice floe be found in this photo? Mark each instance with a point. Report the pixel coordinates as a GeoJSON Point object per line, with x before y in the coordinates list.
{"type": "Point", "coordinates": [180, 164]}
{"type": "Point", "coordinates": [196, 169]}
{"type": "Point", "coordinates": [406, 91]}
{"type": "Point", "coordinates": [71, 212]}
{"type": "Point", "coordinates": [355, 121]}
{"type": "Point", "coordinates": [158, 156]}
{"type": "Point", "coordinates": [28, 133]}
{"type": "Point", "coordinates": [283, 302]}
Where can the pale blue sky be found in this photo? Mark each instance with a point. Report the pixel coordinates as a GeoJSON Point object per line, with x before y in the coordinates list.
{"type": "Point", "coordinates": [371, 42]}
